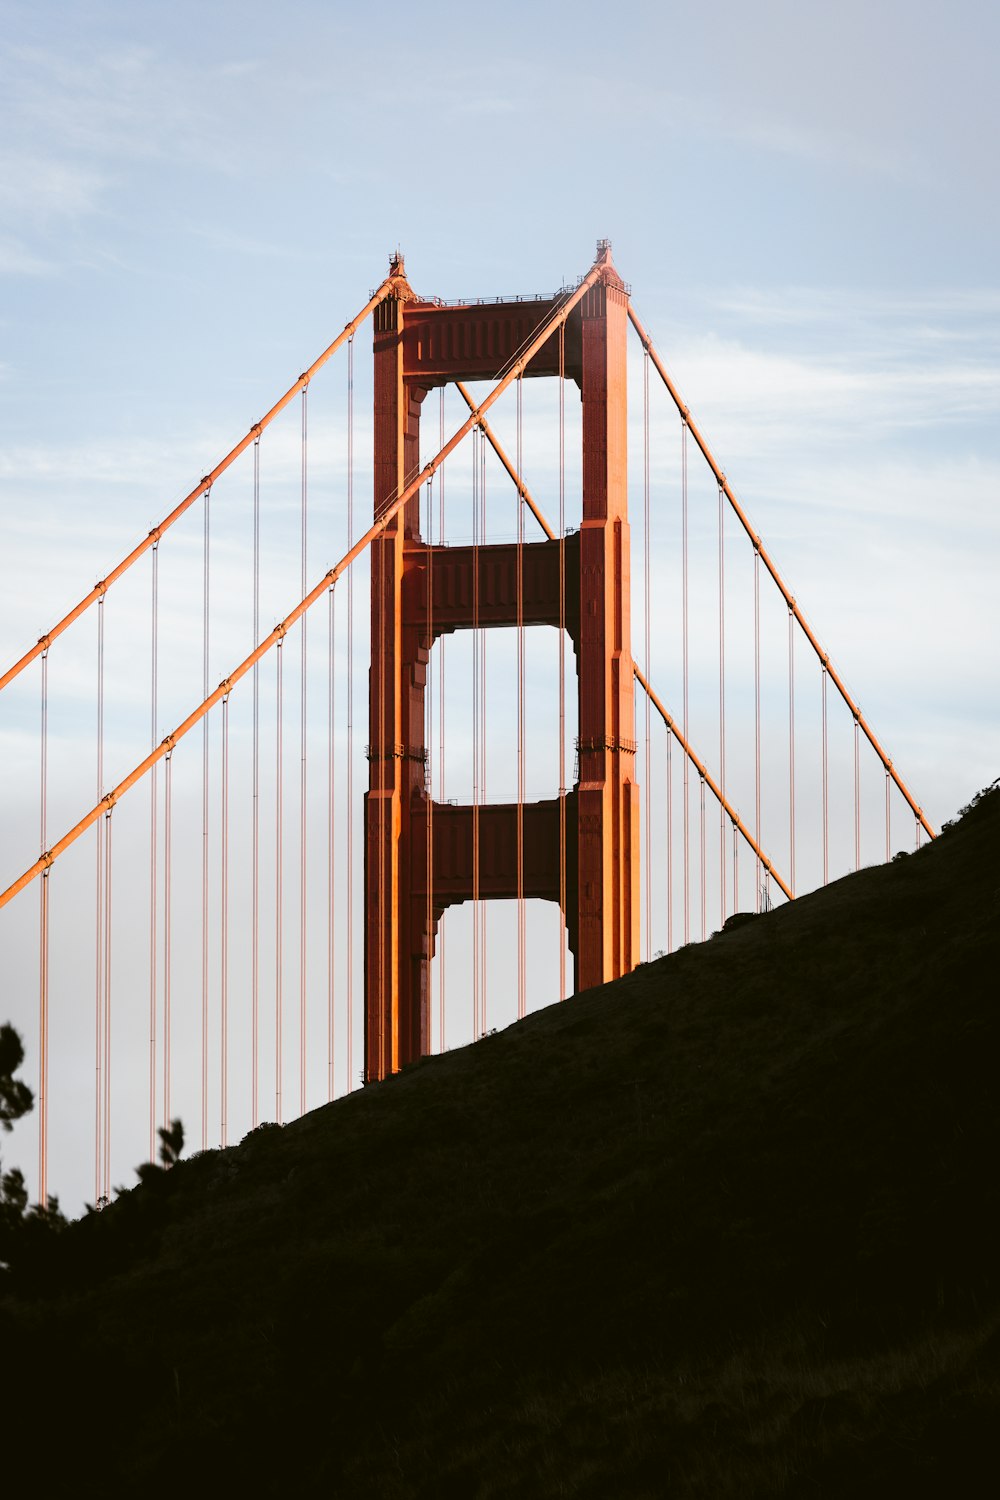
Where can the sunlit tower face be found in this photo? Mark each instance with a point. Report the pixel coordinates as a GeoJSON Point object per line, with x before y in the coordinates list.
{"type": "Point", "coordinates": [579, 848]}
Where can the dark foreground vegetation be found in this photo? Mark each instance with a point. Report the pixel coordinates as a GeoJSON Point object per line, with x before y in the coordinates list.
{"type": "Point", "coordinates": [728, 1228]}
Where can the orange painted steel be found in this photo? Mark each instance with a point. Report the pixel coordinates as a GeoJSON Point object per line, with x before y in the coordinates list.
{"type": "Point", "coordinates": [494, 443]}
{"type": "Point", "coordinates": [166, 746]}
{"type": "Point", "coordinates": [640, 677]}
{"type": "Point", "coordinates": [418, 346]}
{"type": "Point", "coordinates": [712, 785]}
{"type": "Point", "coordinates": [153, 537]}
{"type": "Point", "coordinates": [765, 558]}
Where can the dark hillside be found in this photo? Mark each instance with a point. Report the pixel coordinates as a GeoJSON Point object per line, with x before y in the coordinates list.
{"type": "Point", "coordinates": [725, 1228]}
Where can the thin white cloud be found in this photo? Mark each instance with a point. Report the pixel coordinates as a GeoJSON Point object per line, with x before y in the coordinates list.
{"type": "Point", "coordinates": [17, 260]}
{"type": "Point", "coordinates": [255, 248]}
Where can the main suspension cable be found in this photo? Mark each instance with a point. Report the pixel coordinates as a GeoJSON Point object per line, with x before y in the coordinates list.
{"type": "Point", "coordinates": [713, 786]}
{"type": "Point", "coordinates": [156, 532]}
{"type": "Point", "coordinates": [640, 677]}
{"type": "Point", "coordinates": [378, 526]}
{"type": "Point", "coordinates": [672, 731]}
{"type": "Point", "coordinates": [771, 568]}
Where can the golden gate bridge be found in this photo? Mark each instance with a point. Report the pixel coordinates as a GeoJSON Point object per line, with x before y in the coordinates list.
{"type": "Point", "coordinates": [232, 882]}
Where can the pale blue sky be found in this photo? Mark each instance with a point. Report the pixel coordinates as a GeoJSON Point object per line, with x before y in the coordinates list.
{"type": "Point", "coordinates": [195, 197]}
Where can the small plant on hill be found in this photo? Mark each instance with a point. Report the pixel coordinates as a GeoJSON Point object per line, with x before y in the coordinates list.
{"type": "Point", "coordinates": [20, 1226]}
{"type": "Point", "coordinates": [986, 791]}
{"type": "Point", "coordinates": [15, 1096]}
{"type": "Point", "coordinates": [171, 1147]}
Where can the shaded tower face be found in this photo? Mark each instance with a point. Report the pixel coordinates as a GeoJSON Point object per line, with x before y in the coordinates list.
{"type": "Point", "coordinates": [581, 850]}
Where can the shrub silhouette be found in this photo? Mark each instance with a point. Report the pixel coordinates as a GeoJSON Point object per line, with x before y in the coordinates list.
{"type": "Point", "coordinates": [171, 1146]}
{"type": "Point", "coordinates": [22, 1229]}
{"type": "Point", "coordinates": [15, 1096]}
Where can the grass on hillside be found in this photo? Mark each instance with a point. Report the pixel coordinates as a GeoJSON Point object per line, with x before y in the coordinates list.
{"type": "Point", "coordinates": [725, 1228]}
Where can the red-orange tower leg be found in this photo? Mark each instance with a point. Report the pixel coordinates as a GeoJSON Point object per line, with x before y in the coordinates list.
{"type": "Point", "coordinates": [607, 801]}
{"type": "Point", "coordinates": [419, 345]}
{"type": "Point", "coordinates": [395, 986]}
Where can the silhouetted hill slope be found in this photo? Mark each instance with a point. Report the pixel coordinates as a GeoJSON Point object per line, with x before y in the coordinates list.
{"type": "Point", "coordinates": [725, 1228]}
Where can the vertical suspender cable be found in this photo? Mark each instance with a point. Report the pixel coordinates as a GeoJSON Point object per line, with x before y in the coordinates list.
{"type": "Point", "coordinates": [484, 905]}
{"type": "Point", "coordinates": [704, 915]}
{"type": "Point", "coordinates": [153, 955]}
{"type": "Point", "coordinates": [43, 947]}
{"type": "Point", "coordinates": [167, 913]}
{"type": "Point", "coordinates": [475, 733]}
{"type": "Point", "coordinates": [647, 799]}
{"type": "Point", "coordinates": [857, 793]}
{"type": "Point", "coordinates": [349, 1049]}
{"type": "Point", "coordinates": [684, 653]}
{"type": "Point", "coordinates": [99, 926]}
{"type": "Point", "coordinates": [670, 843]}
{"type": "Point", "coordinates": [888, 828]}
{"type": "Point", "coordinates": [440, 943]}
{"type": "Point", "coordinates": [279, 914]}
{"type": "Point", "coordinates": [722, 705]}
{"type": "Point", "coordinates": [756, 714]}
{"type": "Point", "coordinates": [522, 966]}
{"type": "Point", "coordinates": [825, 788]}
{"type": "Point", "coordinates": [562, 663]}
{"type": "Point", "coordinates": [428, 747]}
{"type": "Point", "coordinates": [378, 750]}
{"type": "Point", "coordinates": [331, 845]}
{"type": "Point", "coordinates": [168, 830]}
{"type": "Point", "coordinates": [736, 869]}
{"type": "Point", "coordinates": [106, 1185]}
{"type": "Point", "coordinates": [303, 746]}
{"type": "Point", "coordinates": [791, 750]}
{"type": "Point", "coordinates": [917, 840]}
{"type": "Point", "coordinates": [224, 934]}
{"type": "Point", "coordinates": [204, 836]}
{"type": "Point", "coordinates": [255, 856]}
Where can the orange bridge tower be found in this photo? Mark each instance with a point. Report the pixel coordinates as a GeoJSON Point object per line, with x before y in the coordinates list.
{"type": "Point", "coordinates": [421, 592]}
